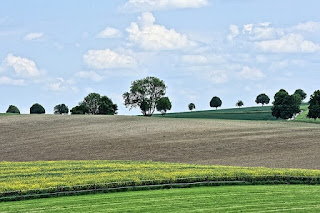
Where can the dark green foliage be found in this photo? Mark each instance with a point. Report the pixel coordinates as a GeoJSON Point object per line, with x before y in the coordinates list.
{"type": "Point", "coordinates": [314, 107]}
{"type": "Point", "coordinates": [61, 109]}
{"type": "Point", "coordinates": [239, 103]}
{"type": "Point", "coordinates": [191, 106]}
{"type": "Point", "coordinates": [81, 109]}
{"type": "Point", "coordinates": [301, 93]}
{"type": "Point", "coordinates": [215, 102]}
{"type": "Point", "coordinates": [13, 109]}
{"type": "Point", "coordinates": [106, 106]}
{"type": "Point", "coordinates": [163, 105]}
{"type": "Point", "coordinates": [262, 99]}
{"type": "Point", "coordinates": [285, 106]}
{"type": "Point", "coordinates": [96, 105]}
{"type": "Point", "coordinates": [145, 93]}
{"type": "Point", "coordinates": [37, 109]}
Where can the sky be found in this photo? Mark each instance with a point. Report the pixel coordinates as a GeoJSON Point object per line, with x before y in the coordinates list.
{"type": "Point", "coordinates": [60, 51]}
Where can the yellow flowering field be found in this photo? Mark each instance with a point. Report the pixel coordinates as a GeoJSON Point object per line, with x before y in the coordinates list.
{"type": "Point", "coordinates": [45, 174]}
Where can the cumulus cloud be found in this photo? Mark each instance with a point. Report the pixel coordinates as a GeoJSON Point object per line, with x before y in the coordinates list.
{"type": "Point", "coordinates": [203, 59]}
{"type": "Point", "coordinates": [217, 76]}
{"type": "Point", "coordinates": [234, 32]}
{"type": "Point", "coordinates": [108, 59]}
{"type": "Point", "coordinates": [309, 26]}
{"type": "Point", "coordinates": [33, 36]}
{"type": "Point", "coordinates": [90, 75]}
{"type": "Point", "coordinates": [109, 32]}
{"type": "Point", "coordinates": [251, 73]}
{"type": "Point", "coordinates": [261, 31]}
{"type": "Point", "coordinates": [23, 67]}
{"type": "Point", "coordinates": [152, 5]}
{"type": "Point", "coordinates": [290, 43]}
{"type": "Point", "coordinates": [149, 36]}
{"type": "Point", "coordinates": [9, 81]}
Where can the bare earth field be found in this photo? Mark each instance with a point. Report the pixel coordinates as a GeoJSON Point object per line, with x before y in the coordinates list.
{"type": "Point", "coordinates": [201, 141]}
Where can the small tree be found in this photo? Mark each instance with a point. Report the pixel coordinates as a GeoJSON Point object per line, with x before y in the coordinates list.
{"type": "Point", "coordinates": [61, 109]}
{"type": "Point", "coordinates": [285, 105]}
{"type": "Point", "coordinates": [163, 105]}
{"type": "Point", "coordinates": [262, 99]}
{"type": "Point", "coordinates": [145, 93]}
{"type": "Point", "coordinates": [239, 103]}
{"type": "Point", "coordinates": [81, 109]}
{"type": "Point", "coordinates": [215, 102]}
{"type": "Point", "coordinates": [314, 107]}
{"type": "Point", "coordinates": [107, 107]}
{"type": "Point", "coordinates": [301, 93]}
{"type": "Point", "coordinates": [37, 109]}
{"type": "Point", "coordinates": [191, 106]}
{"type": "Point", "coordinates": [13, 109]}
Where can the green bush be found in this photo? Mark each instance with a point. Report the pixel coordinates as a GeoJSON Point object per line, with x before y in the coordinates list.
{"type": "Point", "coordinates": [13, 109]}
{"type": "Point", "coordinates": [37, 109]}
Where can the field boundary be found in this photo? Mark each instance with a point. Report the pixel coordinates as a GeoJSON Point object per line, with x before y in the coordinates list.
{"type": "Point", "coordinates": [153, 184]}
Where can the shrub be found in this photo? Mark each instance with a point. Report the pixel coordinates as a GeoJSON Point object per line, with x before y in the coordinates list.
{"type": "Point", "coordinates": [13, 109]}
{"type": "Point", "coordinates": [61, 109]}
{"type": "Point", "coordinates": [37, 109]}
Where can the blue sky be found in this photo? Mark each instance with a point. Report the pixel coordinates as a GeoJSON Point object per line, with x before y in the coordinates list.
{"type": "Point", "coordinates": [58, 52]}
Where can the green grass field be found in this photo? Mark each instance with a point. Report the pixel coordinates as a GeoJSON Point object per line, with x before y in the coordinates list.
{"type": "Point", "coordinates": [7, 114]}
{"type": "Point", "coordinates": [283, 198]}
{"type": "Point", "coordinates": [246, 113]}
{"type": "Point", "coordinates": [303, 116]}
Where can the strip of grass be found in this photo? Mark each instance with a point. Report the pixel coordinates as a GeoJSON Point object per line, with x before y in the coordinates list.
{"type": "Point", "coordinates": [303, 116]}
{"type": "Point", "coordinates": [246, 113]}
{"type": "Point", "coordinates": [44, 174]}
{"type": "Point", "coordinates": [297, 198]}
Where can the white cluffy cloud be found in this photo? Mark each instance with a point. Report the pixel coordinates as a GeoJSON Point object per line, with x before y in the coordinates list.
{"type": "Point", "coordinates": [251, 73]}
{"type": "Point", "coordinates": [152, 5]}
{"type": "Point", "coordinates": [62, 85]}
{"type": "Point", "coordinates": [150, 36]}
{"type": "Point", "coordinates": [108, 59]}
{"type": "Point", "coordinates": [309, 26]}
{"type": "Point", "coordinates": [290, 43]}
{"type": "Point", "coordinates": [23, 67]}
{"type": "Point", "coordinates": [9, 81]}
{"type": "Point", "coordinates": [109, 32]}
{"type": "Point", "coordinates": [33, 36]}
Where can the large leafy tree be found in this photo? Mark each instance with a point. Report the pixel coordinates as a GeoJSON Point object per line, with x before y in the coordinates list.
{"type": "Point", "coordinates": [81, 109]}
{"type": "Point", "coordinates": [262, 99]}
{"type": "Point", "coordinates": [145, 93]}
{"type": "Point", "coordinates": [285, 105]}
{"type": "Point", "coordinates": [239, 103]}
{"type": "Point", "coordinates": [163, 105]}
{"type": "Point", "coordinates": [13, 109]}
{"type": "Point", "coordinates": [314, 107]}
{"type": "Point", "coordinates": [37, 109]}
{"type": "Point", "coordinates": [61, 109]}
{"type": "Point", "coordinates": [215, 102]}
{"type": "Point", "coordinates": [301, 93]}
{"type": "Point", "coordinates": [191, 106]}
{"type": "Point", "coordinates": [92, 101]}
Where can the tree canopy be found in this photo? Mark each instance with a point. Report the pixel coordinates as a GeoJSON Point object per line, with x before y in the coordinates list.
{"type": "Point", "coordinates": [262, 99]}
{"type": "Point", "coordinates": [285, 105]}
{"type": "Point", "coordinates": [239, 103]}
{"type": "Point", "coordinates": [81, 109]}
{"type": "Point", "coordinates": [215, 102]}
{"type": "Point", "coordinates": [145, 93]}
{"type": "Point", "coordinates": [191, 106]}
{"type": "Point", "coordinates": [61, 109]}
{"type": "Point", "coordinates": [37, 109]}
{"type": "Point", "coordinates": [13, 109]}
{"type": "Point", "coordinates": [92, 101]}
{"type": "Point", "coordinates": [301, 93]}
{"type": "Point", "coordinates": [314, 107]}
{"type": "Point", "coordinates": [163, 105]}
{"type": "Point", "coordinates": [107, 107]}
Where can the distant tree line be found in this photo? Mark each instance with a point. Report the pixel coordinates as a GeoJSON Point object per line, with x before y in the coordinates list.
{"type": "Point", "coordinates": [148, 94]}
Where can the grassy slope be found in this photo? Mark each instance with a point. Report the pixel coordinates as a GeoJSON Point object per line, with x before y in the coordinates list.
{"type": "Point", "coordinates": [34, 175]}
{"type": "Point", "coordinates": [7, 114]}
{"type": "Point", "coordinates": [303, 116]}
{"type": "Point", "coordinates": [297, 198]}
{"type": "Point", "coordinates": [246, 113]}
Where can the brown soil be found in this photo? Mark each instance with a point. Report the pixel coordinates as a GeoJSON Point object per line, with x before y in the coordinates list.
{"type": "Point", "coordinates": [219, 142]}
